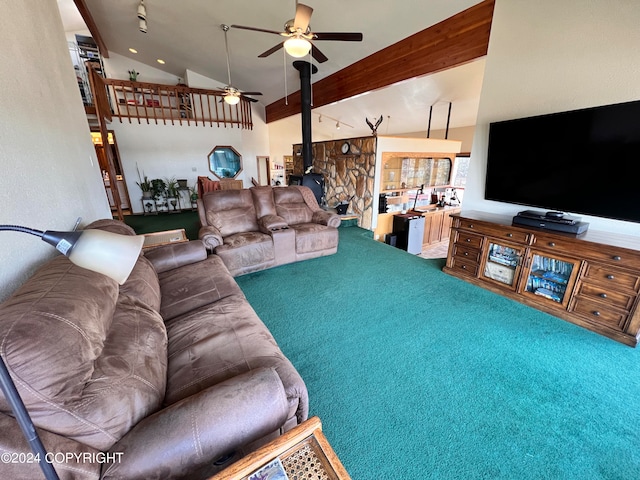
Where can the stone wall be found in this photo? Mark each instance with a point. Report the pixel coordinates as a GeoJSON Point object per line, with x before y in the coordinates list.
{"type": "Point", "coordinates": [346, 176]}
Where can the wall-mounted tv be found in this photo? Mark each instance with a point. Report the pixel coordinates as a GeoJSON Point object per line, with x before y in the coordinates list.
{"type": "Point", "coordinates": [583, 161]}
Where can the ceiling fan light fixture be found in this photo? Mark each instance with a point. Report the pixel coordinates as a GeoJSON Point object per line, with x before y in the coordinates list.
{"type": "Point", "coordinates": [231, 98]}
{"type": "Point", "coordinates": [297, 46]}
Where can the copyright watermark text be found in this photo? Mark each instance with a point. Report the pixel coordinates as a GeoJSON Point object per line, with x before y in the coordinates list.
{"type": "Point", "coordinates": [61, 457]}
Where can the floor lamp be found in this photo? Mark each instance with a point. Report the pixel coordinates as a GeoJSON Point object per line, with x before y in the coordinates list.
{"type": "Point", "coordinates": [104, 252]}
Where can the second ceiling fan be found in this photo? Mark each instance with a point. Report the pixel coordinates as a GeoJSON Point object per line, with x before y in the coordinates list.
{"type": "Point", "coordinates": [300, 35]}
{"type": "Point", "coordinates": [230, 93]}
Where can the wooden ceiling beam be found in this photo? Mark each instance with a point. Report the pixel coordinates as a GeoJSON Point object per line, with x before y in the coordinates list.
{"type": "Point", "coordinates": [455, 41]}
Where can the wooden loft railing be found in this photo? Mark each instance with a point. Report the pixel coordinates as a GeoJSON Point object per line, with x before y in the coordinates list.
{"type": "Point", "coordinates": [174, 104]}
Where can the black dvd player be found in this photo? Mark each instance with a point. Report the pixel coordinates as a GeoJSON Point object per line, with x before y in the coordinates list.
{"type": "Point", "coordinates": [576, 228]}
{"type": "Point", "coordinates": [556, 217]}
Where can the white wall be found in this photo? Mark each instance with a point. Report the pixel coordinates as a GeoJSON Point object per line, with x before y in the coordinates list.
{"type": "Point", "coordinates": [49, 172]}
{"type": "Point", "coordinates": [549, 56]}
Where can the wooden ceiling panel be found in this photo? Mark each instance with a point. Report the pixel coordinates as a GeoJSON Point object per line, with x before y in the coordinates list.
{"type": "Point", "coordinates": [450, 43]}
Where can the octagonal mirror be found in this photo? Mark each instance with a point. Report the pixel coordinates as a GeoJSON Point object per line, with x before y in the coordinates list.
{"type": "Point", "coordinates": [225, 162]}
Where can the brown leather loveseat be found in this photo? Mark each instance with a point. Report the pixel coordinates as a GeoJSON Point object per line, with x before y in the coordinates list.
{"type": "Point", "coordinates": [262, 227]}
{"type": "Point", "coordinates": [170, 375]}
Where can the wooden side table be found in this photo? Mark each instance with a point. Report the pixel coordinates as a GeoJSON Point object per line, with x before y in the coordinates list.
{"type": "Point", "coordinates": [157, 239]}
{"type": "Point", "coordinates": [303, 451]}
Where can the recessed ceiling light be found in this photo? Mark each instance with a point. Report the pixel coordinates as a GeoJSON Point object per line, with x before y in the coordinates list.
{"type": "Point", "coordinates": [160, 61]}
{"type": "Point", "coordinates": [133, 50]}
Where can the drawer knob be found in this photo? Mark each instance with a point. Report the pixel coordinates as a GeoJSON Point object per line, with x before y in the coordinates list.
{"type": "Point", "coordinates": [552, 244]}
{"type": "Point", "coordinates": [509, 235]}
{"type": "Point", "coordinates": [466, 254]}
{"type": "Point", "coordinates": [471, 225]}
{"type": "Point", "coordinates": [596, 313]}
{"type": "Point", "coordinates": [464, 267]}
{"type": "Point", "coordinates": [617, 258]}
{"type": "Point", "coordinates": [468, 240]}
{"type": "Point", "coordinates": [610, 277]}
{"type": "Point", "coordinates": [603, 295]}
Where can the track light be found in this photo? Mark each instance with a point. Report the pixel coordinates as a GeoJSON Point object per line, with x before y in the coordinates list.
{"type": "Point", "coordinates": [143, 26]}
{"type": "Point", "coordinates": [142, 11]}
{"type": "Point", "coordinates": [337, 125]}
{"type": "Point", "coordinates": [320, 119]}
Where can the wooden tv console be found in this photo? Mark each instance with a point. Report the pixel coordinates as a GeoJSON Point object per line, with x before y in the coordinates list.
{"type": "Point", "coordinates": [591, 280]}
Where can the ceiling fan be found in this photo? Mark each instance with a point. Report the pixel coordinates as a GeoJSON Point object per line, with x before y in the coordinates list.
{"type": "Point", "coordinates": [300, 35]}
{"type": "Point", "coordinates": [231, 94]}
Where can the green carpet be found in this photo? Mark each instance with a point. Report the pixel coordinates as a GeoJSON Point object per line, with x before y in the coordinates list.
{"type": "Point", "coordinates": [416, 374]}
{"type": "Point", "coordinates": [165, 221]}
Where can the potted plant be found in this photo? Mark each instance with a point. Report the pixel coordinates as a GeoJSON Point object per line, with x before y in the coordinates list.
{"type": "Point", "coordinates": [158, 187]}
{"type": "Point", "coordinates": [193, 196]}
{"type": "Point", "coordinates": [146, 187]}
{"type": "Point", "coordinates": [172, 191]}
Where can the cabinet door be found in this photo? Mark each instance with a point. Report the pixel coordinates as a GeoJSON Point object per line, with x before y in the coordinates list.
{"type": "Point", "coordinates": [551, 277]}
{"type": "Point", "coordinates": [501, 263]}
{"type": "Point", "coordinates": [435, 232]}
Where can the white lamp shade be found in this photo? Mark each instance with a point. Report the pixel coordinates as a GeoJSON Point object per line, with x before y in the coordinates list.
{"type": "Point", "coordinates": [231, 99]}
{"type": "Point", "coordinates": [297, 47]}
{"type": "Point", "coordinates": [108, 253]}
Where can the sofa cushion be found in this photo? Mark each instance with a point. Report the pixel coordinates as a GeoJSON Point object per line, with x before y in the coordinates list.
{"type": "Point", "coordinates": [247, 252]}
{"type": "Point", "coordinates": [222, 340]}
{"type": "Point", "coordinates": [263, 201]}
{"type": "Point", "coordinates": [313, 237]}
{"type": "Point", "coordinates": [59, 320]}
{"type": "Point", "coordinates": [195, 285]}
{"type": "Point", "coordinates": [87, 365]}
{"type": "Point", "coordinates": [143, 284]}
{"type": "Point", "coordinates": [291, 206]}
{"type": "Point", "coordinates": [231, 211]}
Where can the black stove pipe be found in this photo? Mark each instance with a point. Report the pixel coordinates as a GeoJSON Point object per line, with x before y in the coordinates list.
{"type": "Point", "coordinates": [306, 69]}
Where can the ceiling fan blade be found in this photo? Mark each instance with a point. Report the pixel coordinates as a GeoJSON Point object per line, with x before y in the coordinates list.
{"type": "Point", "coordinates": [271, 50]}
{"type": "Point", "coordinates": [318, 55]}
{"type": "Point", "coordinates": [249, 98]}
{"type": "Point", "coordinates": [251, 93]}
{"type": "Point", "coordinates": [242, 27]}
{"type": "Point", "coordinates": [303, 17]}
{"type": "Point", "coordinates": [339, 36]}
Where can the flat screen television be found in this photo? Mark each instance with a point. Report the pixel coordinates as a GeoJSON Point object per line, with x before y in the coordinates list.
{"type": "Point", "coordinates": [582, 161]}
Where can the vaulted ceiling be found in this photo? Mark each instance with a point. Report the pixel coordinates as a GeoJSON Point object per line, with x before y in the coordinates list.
{"type": "Point", "coordinates": [187, 35]}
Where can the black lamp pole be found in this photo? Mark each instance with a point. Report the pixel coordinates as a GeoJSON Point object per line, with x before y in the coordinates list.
{"type": "Point", "coordinates": [24, 420]}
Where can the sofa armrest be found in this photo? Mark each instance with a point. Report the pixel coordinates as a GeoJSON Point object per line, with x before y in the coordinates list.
{"type": "Point", "coordinates": [326, 218]}
{"type": "Point", "coordinates": [271, 223]}
{"type": "Point", "coordinates": [210, 236]}
{"type": "Point", "coordinates": [200, 429]}
{"type": "Point", "coordinates": [176, 255]}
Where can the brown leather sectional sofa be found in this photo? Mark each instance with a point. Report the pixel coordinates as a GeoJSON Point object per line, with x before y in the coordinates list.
{"type": "Point", "coordinates": [262, 227]}
{"type": "Point", "coordinates": [156, 378]}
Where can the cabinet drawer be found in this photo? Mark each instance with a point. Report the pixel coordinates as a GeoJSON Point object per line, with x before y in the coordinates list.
{"type": "Point", "coordinates": [601, 314]}
{"type": "Point", "coordinates": [462, 265]}
{"type": "Point", "coordinates": [464, 238]}
{"type": "Point", "coordinates": [613, 278]}
{"type": "Point", "coordinates": [497, 231]}
{"type": "Point", "coordinates": [466, 251]}
{"type": "Point", "coordinates": [606, 296]}
{"type": "Point", "coordinates": [610, 255]}
{"type": "Point", "coordinates": [551, 242]}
